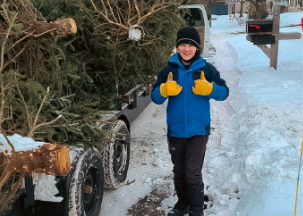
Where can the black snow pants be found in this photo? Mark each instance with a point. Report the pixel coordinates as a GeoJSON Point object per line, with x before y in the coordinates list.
{"type": "Point", "coordinates": [187, 155]}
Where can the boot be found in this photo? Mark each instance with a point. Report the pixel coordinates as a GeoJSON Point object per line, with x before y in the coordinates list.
{"type": "Point", "coordinates": [181, 207]}
{"type": "Point", "coordinates": [195, 197]}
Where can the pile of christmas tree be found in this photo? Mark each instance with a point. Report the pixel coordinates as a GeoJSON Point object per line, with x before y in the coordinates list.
{"type": "Point", "coordinates": [119, 44]}
{"type": "Point", "coordinates": [64, 61]}
{"type": "Point", "coordinates": [55, 84]}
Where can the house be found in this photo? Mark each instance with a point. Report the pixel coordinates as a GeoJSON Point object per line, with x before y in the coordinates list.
{"type": "Point", "coordinates": [234, 6]}
{"type": "Point", "coordinates": [295, 5]}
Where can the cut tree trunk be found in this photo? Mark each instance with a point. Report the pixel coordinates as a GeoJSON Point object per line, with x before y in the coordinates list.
{"type": "Point", "coordinates": [59, 27]}
{"type": "Point", "coordinates": [51, 159]}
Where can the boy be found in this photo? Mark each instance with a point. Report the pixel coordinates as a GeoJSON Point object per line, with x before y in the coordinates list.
{"type": "Point", "coordinates": [188, 82]}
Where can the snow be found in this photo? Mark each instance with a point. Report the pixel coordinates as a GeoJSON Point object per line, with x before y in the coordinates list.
{"type": "Point", "coordinates": [291, 18]}
{"type": "Point", "coordinates": [20, 143]}
{"type": "Point", "coordinates": [45, 189]}
{"type": "Point", "coordinates": [252, 158]}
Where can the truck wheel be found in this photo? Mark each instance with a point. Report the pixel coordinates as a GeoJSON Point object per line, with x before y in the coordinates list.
{"type": "Point", "coordinates": [87, 185]}
{"type": "Point", "coordinates": [116, 156]}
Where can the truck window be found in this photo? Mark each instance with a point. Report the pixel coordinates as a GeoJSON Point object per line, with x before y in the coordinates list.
{"type": "Point", "coordinates": [194, 17]}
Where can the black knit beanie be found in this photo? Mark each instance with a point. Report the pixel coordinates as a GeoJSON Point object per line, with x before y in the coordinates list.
{"type": "Point", "coordinates": [188, 35]}
{"type": "Point", "coordinates": [191, 36]}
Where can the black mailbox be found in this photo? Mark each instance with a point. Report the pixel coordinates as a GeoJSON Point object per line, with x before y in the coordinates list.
{"type": "Point", "coordinates": [260, 32]}
{"type": "Point", "coordinates": [263, 39]}
{"type": "Point", "coordinates": [259, 27]}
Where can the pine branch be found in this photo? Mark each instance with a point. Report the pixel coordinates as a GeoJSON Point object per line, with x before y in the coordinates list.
{"type": "Point", "coordinates": [7, 140]}
{"type": "Point", "coordinates": [7, 174]}
{"type": "Point", "coordinates": [103, 7]}
{"type": "Point", "coordinates": [16, 56]}
{"type": "Point", "coordinates": [111, 10]}
{"type": "Point", "coordinates": [39, 110]}
{"type": "Point", "coordinates": [151, 11]}
{"type": "Point", "coordinates": [2, 65]}
{"type": "Point", "coordinates": [128, 15]}
{"type": "Point", "coordinates": [31, 133]}
{"type": "Point", "coordinates": [118, 15]}
{"type": "Point", "coordinates": [12, 185]}
{"type": "Point", "coordinates": [25, 105]}
{"type": "Point", "coordinates": [146, 43]}
{"type": "Point", "coordinates": [138, 11]}
{"type": "Point", "coordinates": [20, 40]}
{"type": "Point", "coordinates": [131, 19]}
{"type": "Point", "coordinates": [106, 17]}
{"type": "Point", "coordinates": [12, 193]}
{"type": "Point", "coordinates": [43, 33]}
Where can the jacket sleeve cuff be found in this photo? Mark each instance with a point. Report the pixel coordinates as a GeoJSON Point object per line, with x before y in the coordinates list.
{"type": "Point", "coordinates": [157, 98]}
{"type": "Point", "coordinates": [219, 92]}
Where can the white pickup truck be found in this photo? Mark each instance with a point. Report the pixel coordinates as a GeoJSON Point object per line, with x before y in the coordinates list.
{"type": "Point", "coordinates": [196, 16]}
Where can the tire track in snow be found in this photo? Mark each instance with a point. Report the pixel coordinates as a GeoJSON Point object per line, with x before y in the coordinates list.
{"type": "Point", "coordinates": [216, 159]}
{"type": "Point", "coordinates": [148, 147]}
{"type": "Point", "coordinates": [225, 60]}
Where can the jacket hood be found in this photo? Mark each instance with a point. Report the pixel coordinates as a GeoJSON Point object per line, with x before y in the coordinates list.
{"type": "Point", "coordinates": [197, 64]}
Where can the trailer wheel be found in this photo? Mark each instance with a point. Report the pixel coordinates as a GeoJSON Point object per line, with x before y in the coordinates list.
{"type": "Point", "coordinates": [116, 156]}
{"type": "Point", "coordinates": [87, 185]}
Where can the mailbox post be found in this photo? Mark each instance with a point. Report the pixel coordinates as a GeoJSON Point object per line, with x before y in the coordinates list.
{"type": "Point", "coordinates": [276, 30]}
{"type": "Point", "coordinates": [263, 32]}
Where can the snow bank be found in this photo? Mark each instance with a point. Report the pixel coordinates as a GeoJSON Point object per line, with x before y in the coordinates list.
{"type": "Point", "coordinates": [293, 18]}
{"type": "Point", "coordinates": [252, 169]}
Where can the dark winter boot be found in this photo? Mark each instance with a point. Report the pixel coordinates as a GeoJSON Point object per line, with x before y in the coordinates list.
{"type": "Point", "coordinates": [181, 207]}
{"type": "Point", "coordinates": [195, 197]}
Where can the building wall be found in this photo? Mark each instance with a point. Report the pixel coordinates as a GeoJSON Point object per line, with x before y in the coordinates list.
{"type": "Point", "coordinates": [231, 8]}
{"type": "Point", "coordinates": [219, 8]}
{"type": "Point", "coordinates": [236, 7]}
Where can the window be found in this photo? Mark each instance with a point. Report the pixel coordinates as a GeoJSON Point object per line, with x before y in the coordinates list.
{"type": "Point", "coordinates": [194, 17]}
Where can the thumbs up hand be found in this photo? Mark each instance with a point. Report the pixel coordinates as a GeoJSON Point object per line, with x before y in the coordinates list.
{"type": "Point", "coordinates": [170, 88]}
{"type": "Point", "coordinates": [202, 86]}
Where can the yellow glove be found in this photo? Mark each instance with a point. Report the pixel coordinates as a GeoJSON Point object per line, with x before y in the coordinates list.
{"type": "Point", "coordinates": [170, 88]}
{"type": "Point", "coordinates": [202, 86]}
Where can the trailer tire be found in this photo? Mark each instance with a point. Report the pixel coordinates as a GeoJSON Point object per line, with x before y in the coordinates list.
{"type": "Point", "coordinates": [116, 156]}
{"type": "Point", "coordinates": [87, 185]}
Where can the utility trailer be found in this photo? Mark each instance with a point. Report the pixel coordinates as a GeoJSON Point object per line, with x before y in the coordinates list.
{"type": "Point", "coordinates": [80, 193]}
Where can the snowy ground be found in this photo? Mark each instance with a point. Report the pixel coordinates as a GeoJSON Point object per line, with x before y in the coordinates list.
{"type": "Point", "coordinates": [252, 158]}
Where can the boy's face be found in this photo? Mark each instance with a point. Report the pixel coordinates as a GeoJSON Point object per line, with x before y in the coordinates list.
{"type": "Point", "coordinates": [187, 51]}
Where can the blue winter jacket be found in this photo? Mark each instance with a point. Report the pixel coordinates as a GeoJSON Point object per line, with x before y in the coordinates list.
{"type": "Point", "coordinates": [189, 114]}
